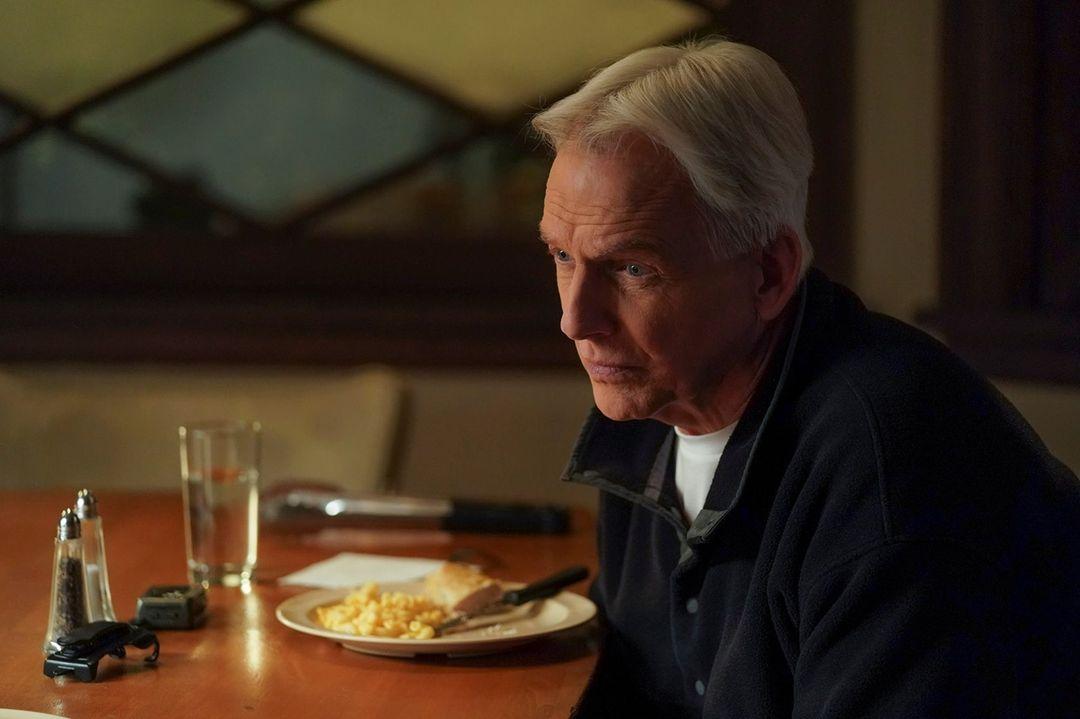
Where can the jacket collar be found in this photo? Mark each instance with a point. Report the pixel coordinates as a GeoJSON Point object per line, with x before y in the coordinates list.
{"type": "Point", "coordinates": [631, 459]}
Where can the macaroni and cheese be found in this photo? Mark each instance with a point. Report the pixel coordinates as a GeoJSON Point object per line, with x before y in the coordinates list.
{"type": "Point", "coordinates": [371, 613]}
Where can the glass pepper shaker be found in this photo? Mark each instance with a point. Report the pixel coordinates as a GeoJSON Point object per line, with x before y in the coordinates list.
{"type": "Point", "coordinates": [67, 599]}
{"type": "Point", "coordinates": [98, 596]}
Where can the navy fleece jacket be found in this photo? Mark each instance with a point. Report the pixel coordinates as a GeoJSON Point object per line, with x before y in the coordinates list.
{"type": "Point", "coordinates": [884, 537]}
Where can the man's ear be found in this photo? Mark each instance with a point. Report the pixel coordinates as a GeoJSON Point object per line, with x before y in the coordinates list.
{"type": "Point", "coordinates": [780, 262]}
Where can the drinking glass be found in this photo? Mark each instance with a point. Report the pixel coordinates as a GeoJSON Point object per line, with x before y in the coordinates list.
{"type": "Point", "coordinates": [219, 470]}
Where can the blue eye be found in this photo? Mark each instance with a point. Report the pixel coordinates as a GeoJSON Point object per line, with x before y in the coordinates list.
{"type": "Point", "coordinates": [562, 256]}
{"type": "Point", "coordinates": [635, 270]}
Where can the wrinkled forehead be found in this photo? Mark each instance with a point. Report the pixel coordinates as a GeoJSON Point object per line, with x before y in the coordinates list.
{"type": "Point", "coordinates": [627, 174]}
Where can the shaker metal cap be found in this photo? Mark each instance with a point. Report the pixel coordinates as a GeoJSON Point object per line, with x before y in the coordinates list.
{"type": "Point", "coordinates": [86, 504]}
{"type": "Point", "coordinates": [70, 527]}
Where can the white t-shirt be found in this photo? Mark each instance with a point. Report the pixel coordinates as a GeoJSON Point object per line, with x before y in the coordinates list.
{"type": "Point", "coordinates": [696, 459]}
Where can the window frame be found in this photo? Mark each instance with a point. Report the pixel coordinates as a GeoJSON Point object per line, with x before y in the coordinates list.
{"type": "Point", "coordinates": [1009, 157]}
{"type": "Point", "coordinates": [271, 295]}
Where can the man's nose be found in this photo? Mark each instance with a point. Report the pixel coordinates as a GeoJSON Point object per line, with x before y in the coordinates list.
{"type": "Point", "coordinates": [586, 312]}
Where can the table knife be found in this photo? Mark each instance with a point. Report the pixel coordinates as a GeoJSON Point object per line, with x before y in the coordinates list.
{"type": "Point", "coordinates": [306, 508]}
{"type": "Point", "coordinates": [541, 589]}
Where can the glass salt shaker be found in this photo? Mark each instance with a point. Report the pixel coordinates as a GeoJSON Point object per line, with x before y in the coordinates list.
{"type": "Point", "coordinates": [98, 596]}
{"type": "Point", "coordinates": [67, 599]}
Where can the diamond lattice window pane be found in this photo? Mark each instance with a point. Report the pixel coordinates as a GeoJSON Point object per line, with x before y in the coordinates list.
{"type": "Point", "coordinates": [492, 190]}
{"type": "Point", "coordinates": [9, 120]}
{"type": "Point", "coordinates": [54, 53]}
{"type": "Point", "coordinates": [58, 185]}
{"type": "Point", "coordinates": [273, 122]}
{"type": "Point", "coordinates": [499, 56]}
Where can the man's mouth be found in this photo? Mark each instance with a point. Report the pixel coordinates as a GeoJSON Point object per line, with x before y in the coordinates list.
{"type": "Point", "coordinates": [609, 372]}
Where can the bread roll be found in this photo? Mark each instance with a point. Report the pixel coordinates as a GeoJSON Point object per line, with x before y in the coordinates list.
{"type": "Point", "coordinates": [461, 588]}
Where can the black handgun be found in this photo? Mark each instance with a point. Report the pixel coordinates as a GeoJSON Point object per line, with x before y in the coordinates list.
{"type": "Point", "coordinates": [80, 651]}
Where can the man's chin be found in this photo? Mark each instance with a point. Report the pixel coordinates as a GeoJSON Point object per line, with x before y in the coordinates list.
{"type": "Point", "coordinates": [618, 404]}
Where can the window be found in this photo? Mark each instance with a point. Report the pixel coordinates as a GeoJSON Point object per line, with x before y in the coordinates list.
{"type": "Point", "coordinates": [323, 181]}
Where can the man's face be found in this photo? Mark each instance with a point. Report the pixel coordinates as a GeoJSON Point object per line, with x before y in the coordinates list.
{"type": "Point", "coordinates": [658, 322]}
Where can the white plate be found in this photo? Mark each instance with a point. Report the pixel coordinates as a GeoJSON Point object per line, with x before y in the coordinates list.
{"type": "Point", "coordinates": [20, 714]}
{"type": "Point", "coordinates": [491, 633]}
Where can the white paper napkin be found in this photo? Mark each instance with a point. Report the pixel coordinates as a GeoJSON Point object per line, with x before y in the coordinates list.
{"type": "Point", "coordinates": [350, 569]}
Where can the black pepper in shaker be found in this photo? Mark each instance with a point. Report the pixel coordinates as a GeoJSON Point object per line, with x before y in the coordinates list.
{"type": "Point", "coordinates": [68, 608]}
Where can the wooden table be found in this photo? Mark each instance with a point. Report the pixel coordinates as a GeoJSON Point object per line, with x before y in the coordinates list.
{"type": "Point", "coordinates": [244, 662]}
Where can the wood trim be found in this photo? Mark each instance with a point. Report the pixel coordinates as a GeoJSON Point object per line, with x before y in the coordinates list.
{"type": "Point", "coordinates": [1009, 297]}
{"type": "Point", "coordinates": [199, 266]}
{"type": "Point", "coordinates": [1058, 159]}
{"type": "Point", "coordinates": [260, 329]}
{"type": "Point", "coordinates": [987, 190]}
{"type": "Point", "coordinates": [340, 302]}
{"type": "Point", "coordinates": [813, 42]}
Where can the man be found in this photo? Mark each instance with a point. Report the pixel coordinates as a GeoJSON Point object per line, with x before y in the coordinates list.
{"type": "Point", "coordinates": [807, 509]}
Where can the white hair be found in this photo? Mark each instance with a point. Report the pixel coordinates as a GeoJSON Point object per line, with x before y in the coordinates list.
{"type": "Point", "coordinates": [727, 114]}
